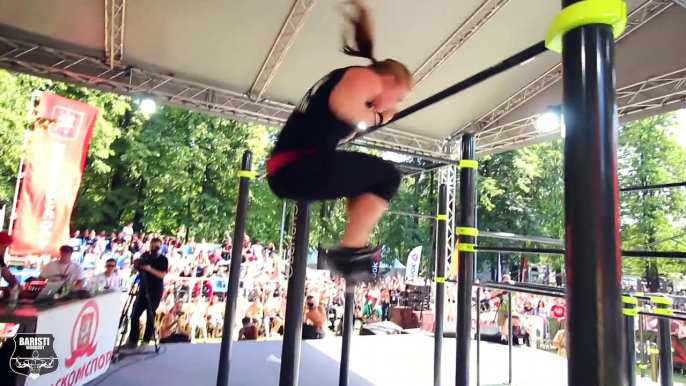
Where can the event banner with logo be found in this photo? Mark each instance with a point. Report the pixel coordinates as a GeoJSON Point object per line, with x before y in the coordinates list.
{"type": "Point", "coordinates": [85, 335]}
{"type": "Point", "coordinates": [52, 174]}
{"type": "Point", "coordinates": [414, 264]}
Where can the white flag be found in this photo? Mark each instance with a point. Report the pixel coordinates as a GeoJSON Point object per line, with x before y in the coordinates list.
{"type": "Point", "coordinates": [413, 263]}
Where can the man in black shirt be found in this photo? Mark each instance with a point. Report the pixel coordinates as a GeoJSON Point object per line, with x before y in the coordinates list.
{"type": "Point", "coordinates": [152, 267]}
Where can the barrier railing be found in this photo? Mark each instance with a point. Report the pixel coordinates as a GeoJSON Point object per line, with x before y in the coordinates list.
{"type": "Point", "coordinates": [636, 307]}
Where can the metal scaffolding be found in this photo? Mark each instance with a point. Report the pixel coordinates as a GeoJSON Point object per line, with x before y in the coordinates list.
{"type": "Point", "coordinates": [448, 176]}
{"type": "Point", "coordinates": [470, 27]}
{"type": "Point", "coordinates": [649, 94]}
{"type": "Point", "coordinates": [295, 20]}
{"type": "Point", "coordinates": [635, 20]}
{"type": "Point", "coordinates": [115, 18]}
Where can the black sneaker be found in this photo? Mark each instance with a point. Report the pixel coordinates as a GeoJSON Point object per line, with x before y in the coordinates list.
{"type": "Point", "coordinates": [355, 264]}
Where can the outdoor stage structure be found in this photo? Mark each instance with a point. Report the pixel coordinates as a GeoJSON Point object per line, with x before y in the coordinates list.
{"type": "Point", "coordinates": [592, 102]}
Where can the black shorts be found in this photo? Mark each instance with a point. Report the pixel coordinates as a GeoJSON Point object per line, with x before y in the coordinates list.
{"type": "Point", "coordinates": [339, 174]}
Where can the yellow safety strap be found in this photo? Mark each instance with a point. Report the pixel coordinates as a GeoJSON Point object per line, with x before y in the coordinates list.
{"type": "Point", "coordinates": [653, 351]}
{"type": "Point", "coordinates": [642, 367]}
{"type": "Point", "coordinates": [464, 247]}
{"type": "Point", "coordinates": [661, 300]}
{"type": "Point", "coordinates": [468, 163]}
{"type": "Point", "coordinates": [662, 305]}
{"type": "Point", "coordinates": [442, 217]}
{"type": "Point", "coordinates": [439, 279]}
{"type": "Point", "coordinates": [247, 174]}
{"type": "Point", "coordinates": [467, 231]}
{"type": "Point", "coordinates": [610, 12]}
{"type": "Point", "coordinates": [629, 308]}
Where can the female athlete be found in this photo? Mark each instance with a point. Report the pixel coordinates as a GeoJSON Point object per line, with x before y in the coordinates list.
{"type": "Point", "coordinates": [305, 164]}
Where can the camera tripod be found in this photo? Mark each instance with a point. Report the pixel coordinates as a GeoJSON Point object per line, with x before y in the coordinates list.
{"type": "Point", "coordinates": [139, 282]}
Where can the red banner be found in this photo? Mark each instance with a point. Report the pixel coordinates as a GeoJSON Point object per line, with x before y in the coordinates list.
{"type": "Point", "coordinates": [52, 174]}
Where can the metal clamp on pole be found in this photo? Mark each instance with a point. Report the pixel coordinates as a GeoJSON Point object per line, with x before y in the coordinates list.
{"type": "Point", "coordinates": [630, 312]}
{"type": "Point", "coordinates": [441, 238]}
{"type": "Point", "coordinates": [295, 299]}
{"type": "Point", "coordinates": [664, 340]}
{"type": "Point", "coordinates": [466, 254]}
{"type": "Point", "coordinates": [245, 174]}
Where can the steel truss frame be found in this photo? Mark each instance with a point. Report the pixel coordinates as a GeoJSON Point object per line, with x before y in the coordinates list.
{"type": "Point", "coordinates": [468, 29]}
{"type": "Point", "coordinates": [649, 94]}
{"type": "Point", "coordinates": [635, 20]}
{"type": "Point", "coordinates": [115, 18]}
{"type": "Point", "coordinates": [21, 56]}
{"type": "Point", "coordinates": [448, 176]}
{"type": "Point", "coordinates": [291, 27]}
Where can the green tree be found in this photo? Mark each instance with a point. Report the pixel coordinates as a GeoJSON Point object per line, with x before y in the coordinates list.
{"type": "Point", "coordinates": [650, 154]}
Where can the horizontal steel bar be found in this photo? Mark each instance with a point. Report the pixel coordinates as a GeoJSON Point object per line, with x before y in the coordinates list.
{"type": "Point", "coordinates": [512, 236]}
{"type": "Point", "coordinates": [651, 187]}
{"type": "Point", "coordinates": [558, 251]}
{"type": "Point", "coordinates": [512, 61]}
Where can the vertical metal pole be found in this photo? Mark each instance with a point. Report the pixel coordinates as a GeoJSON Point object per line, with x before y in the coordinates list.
{"type": "Point", "coordinates": [234, 271]}
{"type": "Point", "coordinates": [293, 325]}
{"type": "Point", "coordinates": [597, 348]}
{"type": "Point", "coordinates": [283, 227]}
{"type": "Point", "coordinates": [509, 338]}
{"type": "Point", "coordinates": [465, 278]}
{"type": "Point", "coordinates": [631, 349]}
{"type": "Point", "coordinates": [642, 344]}
{"type": "Point", "coordinates": [665, 347]}
{"type": "Point", "coordinates": [478, 336]}
{"type": "Point", "coordinates": [441, 239]}
{"type": "Point", "coordinates": [348, 327]}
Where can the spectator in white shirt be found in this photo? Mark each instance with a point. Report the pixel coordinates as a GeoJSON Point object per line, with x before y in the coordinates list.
{"type": "Point", "coordinates": [111, 277]}
{"type": "Point", "coordinates": [258, 251]}
{"type": "Point", "coordinates": [64, 269]}
{"type": "Point", "coordinates": [128, 231]}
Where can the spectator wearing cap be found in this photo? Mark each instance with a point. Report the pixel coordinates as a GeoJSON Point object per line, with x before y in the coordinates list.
{"type": "Point", "coordinates": [64, 269]}
{"type": "Point", "coordinates": [5, 241]}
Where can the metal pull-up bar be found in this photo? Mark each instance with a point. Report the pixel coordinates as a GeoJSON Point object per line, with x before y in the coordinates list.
{"type": "Point", "coordinates": [514, 60]}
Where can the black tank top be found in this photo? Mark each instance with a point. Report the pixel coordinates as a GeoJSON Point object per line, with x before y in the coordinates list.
{"type": "Point", "coordinates": [312, 125]}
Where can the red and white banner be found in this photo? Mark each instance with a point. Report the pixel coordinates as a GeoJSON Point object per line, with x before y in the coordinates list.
{"type": "Point", "coordinates": [52, 174]}
{"type": "Point", "coordinates": [85, 336]}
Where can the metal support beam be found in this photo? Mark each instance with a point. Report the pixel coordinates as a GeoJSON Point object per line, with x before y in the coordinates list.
{"type": "Point", "coordinates": [448, 177]}
{"type": "Point", "coordinates": [46, 62]}
{"type": "Point", "coordinates": [468, 29]}
{"type": "Point", "coordinates": [466, 258]}
{"type": "Point", "coordinates": [115, 18]}
{"type": "Point", "coordinates": [635, 20]}
{"type": "Point", "coordinates": [289, 31]}
{"type": "Point", "coordinates": [652, 93]}
{"type": "Point", "coordinates": [592, 255]}
{"type": "Point", "coordinates": [441, 236]}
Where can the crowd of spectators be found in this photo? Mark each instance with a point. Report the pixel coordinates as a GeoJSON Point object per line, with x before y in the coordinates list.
{"type": "Point", "coordinates": [193, 304]}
